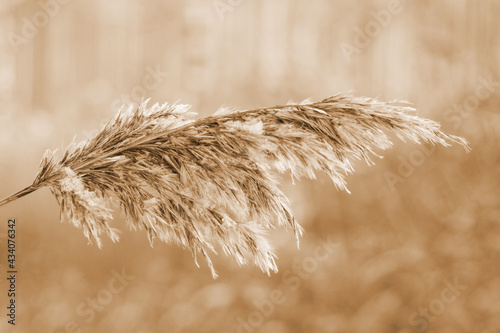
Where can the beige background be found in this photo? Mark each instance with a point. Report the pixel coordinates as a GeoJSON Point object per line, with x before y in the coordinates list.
{"type": "Point", "coordinates": [399, 245]}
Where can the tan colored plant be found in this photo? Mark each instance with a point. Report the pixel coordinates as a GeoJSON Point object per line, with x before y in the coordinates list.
{"type": "Point", "coordinates": [208, 182]}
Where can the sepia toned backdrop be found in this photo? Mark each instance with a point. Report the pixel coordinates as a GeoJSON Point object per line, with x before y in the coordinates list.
{"type": "Point", "coordinates": [415, 247]}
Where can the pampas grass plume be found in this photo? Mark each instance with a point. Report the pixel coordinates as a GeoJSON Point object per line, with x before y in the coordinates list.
{"type": "Point", "coordinates": [209, 184]}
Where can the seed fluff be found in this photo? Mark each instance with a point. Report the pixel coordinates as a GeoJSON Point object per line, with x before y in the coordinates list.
{"type": "Point", "coordinates": [210, 184]}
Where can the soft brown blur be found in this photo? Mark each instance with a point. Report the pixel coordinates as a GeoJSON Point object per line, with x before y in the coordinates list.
{"type": "Point", "coordinates": [414, 248]}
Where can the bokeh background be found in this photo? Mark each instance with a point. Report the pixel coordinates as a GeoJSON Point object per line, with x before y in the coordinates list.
{"type": "Point", "coordinates": [414, 248]}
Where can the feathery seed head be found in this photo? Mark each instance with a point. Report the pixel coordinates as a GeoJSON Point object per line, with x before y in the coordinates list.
{"type": "Point", "coordinates": [208, 183]}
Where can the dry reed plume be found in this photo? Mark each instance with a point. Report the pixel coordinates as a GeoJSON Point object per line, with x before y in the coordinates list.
{"type": "Point", "coordinates": [207, 183]}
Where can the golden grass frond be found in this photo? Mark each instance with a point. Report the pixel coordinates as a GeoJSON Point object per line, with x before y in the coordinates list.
{"type": "Point", "coordinates": [209, 183]}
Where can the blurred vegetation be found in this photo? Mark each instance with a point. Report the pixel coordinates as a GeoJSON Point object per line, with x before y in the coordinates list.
{"type": "Point", "coordinates": [398, 247]}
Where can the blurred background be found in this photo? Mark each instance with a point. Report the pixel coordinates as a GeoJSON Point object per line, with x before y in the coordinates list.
{"type": "Point", "coordinates": [412, 249]}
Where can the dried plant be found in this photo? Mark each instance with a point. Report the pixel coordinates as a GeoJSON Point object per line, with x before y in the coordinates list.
{"type": "Point", "coordinates": [208, 183]}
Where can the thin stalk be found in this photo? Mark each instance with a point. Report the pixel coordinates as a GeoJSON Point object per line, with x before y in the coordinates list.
{"type": "Point", "coordinates": [19, 194]}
